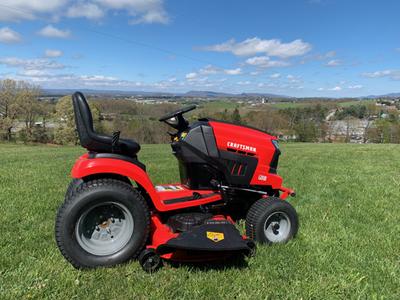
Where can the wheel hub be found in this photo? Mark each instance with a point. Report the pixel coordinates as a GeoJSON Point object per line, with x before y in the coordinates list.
{"type": "Point", "coordinates": [277, 227]}
{"type": "Point", "coordinates": [104, 229]}
{"type": "Point", "coordinates": [105, 224]}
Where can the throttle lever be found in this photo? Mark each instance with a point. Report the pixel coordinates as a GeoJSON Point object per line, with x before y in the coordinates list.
{"type": "Point", "coordinates": [115, 140]}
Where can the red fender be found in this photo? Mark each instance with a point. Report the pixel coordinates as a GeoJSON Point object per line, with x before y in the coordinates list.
{"type": "Point", "coordinates": [85, 166]}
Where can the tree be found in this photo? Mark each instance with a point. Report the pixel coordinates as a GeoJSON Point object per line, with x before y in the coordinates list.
{"type": "Point", "coordinates": [8, 92]}
{"type": "Point", "coordinates": [269, 120]}
{"type": "Point", "coordinates": [27, 106]}
{"type": "Point", "coordinates": [236, 119]}
{"type": "Point", "coordinates": [306, 131]}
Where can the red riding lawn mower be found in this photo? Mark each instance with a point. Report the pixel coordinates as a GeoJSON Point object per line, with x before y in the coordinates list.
{"type": "Point", "coordinates": [113, 212]}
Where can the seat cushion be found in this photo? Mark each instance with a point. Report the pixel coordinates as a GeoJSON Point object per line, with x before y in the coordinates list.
{"type": "Point", "coordinates": [128, 147]}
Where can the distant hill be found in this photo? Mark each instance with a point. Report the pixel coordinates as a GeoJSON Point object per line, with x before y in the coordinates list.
{"type": "Point", "coordinates": [264, 95]}
{"type": "Point", "coordinates": [383, 96]}
{"type": "Point", "coordinates": [205, 94]}
{"type": "Point", "coordinates": [199, 94]}
{"type": "Point", "coordinates": [209, 94]}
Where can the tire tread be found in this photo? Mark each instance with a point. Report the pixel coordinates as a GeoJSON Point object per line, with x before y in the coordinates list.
{"type": "Point", "coordinates": [70, 197]}
{"type": "Point", "coordinates": [256, 212]}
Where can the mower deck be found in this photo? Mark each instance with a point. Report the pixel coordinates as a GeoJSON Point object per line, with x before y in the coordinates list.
{"type": "Point", "coordinates": [213, 238]}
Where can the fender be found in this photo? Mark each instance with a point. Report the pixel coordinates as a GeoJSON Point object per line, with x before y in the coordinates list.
{"type": "Point", "coordinates": [86, 166]}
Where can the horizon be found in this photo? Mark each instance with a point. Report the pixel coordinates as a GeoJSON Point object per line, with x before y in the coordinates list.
{"type": "Point", "coordinates": [311, 48]}
{"type": "Point", "coordinates": [229, 95]}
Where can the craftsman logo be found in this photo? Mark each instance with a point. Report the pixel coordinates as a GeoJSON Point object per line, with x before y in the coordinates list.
{"type": "Point", "coordinates": [215, 236]}
{"type": "Point", "coordinates": [241, 147]}
{"type": "Point", "coordinates": [262, 177]}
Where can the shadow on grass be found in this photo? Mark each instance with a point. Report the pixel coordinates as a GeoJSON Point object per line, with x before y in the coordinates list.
{"type": "Point", "coordinates": [233, 262]}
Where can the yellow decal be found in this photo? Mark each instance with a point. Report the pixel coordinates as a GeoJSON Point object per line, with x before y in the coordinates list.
{"type": "Point", "coordinates": [215, 236]}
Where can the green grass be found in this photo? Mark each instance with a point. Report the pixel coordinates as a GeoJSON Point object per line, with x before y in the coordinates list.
{"type": "Point", "coordinates": [356, 102]}
{"type": "Point", "coordinates": [220, 105]}
{"type": "Point", "coordinates": [283, 105]}
{"type": "Point", "coordinates": [348, 244]}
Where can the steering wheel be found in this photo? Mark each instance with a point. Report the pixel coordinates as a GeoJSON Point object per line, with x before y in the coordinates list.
{"type": "Point", "coordinates": [177, 113]}
{"type": "Point", "coordinates": [176, 120]}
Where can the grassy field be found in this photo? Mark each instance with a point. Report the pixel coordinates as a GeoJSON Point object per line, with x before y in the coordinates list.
{"type": "Point", "coordinates": [348, 244]}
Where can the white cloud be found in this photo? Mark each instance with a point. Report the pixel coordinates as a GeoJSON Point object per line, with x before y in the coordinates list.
{"type": "Point", "coordinates": [293, 79]}
{"type": "Point", "coordinates": [209, 70]}
{"type": "Point", "coordinates": [236, 71]}
{"type": "Point", "coordinates": [321, 89]}
{"type": "Point", "coordinates": [53, 53]}
{"type": "Point", "coordinates": [33, 73]}
{"type": "Point", "coordinates": [275, 75]}
{"type": "Point", "coordinates": [265, 62]}
{"type": "Point", "coordinates": [85, 10]}
{"type": "Point", "coordinates": [247, 82]}
{"type": "Point", "coordinates": [143, 11]}
{"type": "Point", "coordinates": [335, 89]}
{"type": "Point", "coordinates": [53, 32]}
{"type": "Point", "coordinates": [330, 54]}
{"type": "Point", "coordinates": [98, 78]}
{"type": "Point", "coordinates": [334, 63]}
{"type": "Point", "coordinates": [74, 81]}
{"type": "Point", "coordinates": [256, 45]}
{"type": "Point", "coordinates": [9, 36]}
{"type": "Point", "coordinates": [191, 76]}
{"type": "Point", "coordinates": [54, 79]}
{"type": "Point", "coordinates": [384, 73]}
{"type": "Point", "coordinates": [15, 10]}
{"type": "Point", "coordinates": [355, 87]}
{"type": "Point", "coordinates": [392, 74]}
{"type": "Point", "coordinates": [31, 64]}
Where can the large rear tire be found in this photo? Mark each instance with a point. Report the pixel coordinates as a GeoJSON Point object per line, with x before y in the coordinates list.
{"type": "Point", "coordinates": [103, 222]}
{"type": "Point", "coordinates": [73, 187]}
{"type": "Point", "coordinates": [271, 220]}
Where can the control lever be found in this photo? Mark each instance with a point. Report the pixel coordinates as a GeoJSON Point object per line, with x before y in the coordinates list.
{"type": "Point", "coordinates": [174, 136]}
{"type": "Point", "coordinates": [115, 140]}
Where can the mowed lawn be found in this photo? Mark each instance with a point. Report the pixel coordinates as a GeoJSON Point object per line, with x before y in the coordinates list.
{"type": "Point", "coordinates": [348, 246]}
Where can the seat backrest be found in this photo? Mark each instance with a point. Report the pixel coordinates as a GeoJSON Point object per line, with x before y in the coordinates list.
{"type": "Point", "coordinates": [83, 118]}
{"type": "Point", "coordinates": [97, 142]}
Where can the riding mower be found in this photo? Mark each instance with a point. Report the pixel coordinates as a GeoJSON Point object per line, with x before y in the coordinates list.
{"type": "Point", "coordinates": [113, 212]}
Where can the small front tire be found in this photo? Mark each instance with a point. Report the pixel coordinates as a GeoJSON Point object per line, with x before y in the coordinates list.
{"type": "Point", "coordinates": [150, 261]}
{"type": "Point", "coordinates": [271, 220]}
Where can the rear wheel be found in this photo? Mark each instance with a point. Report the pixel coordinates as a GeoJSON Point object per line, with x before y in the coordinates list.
{"type": "Point", "coordinates": [73, 186]}
{"type": "Point", "coordinates": [271, 221]}
{"type": "Point", "coordinates": [102, 222]}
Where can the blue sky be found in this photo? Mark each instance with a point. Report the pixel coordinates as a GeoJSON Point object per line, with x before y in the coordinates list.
{"type": "Point", "coordinates": [298, 48]}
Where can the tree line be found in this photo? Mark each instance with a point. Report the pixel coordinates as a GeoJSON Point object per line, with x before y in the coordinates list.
{"type": "Point", "coordinates": [26, 117]}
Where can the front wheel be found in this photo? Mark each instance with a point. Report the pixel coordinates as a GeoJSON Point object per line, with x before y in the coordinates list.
{"type": "Point", "coordinates": [102, 223]}
{"type": "Point", "coordinates": [271, 220]}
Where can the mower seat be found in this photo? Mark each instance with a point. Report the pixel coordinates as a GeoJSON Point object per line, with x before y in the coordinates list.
{"type": "Point", "coordinates": [93, 141]}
